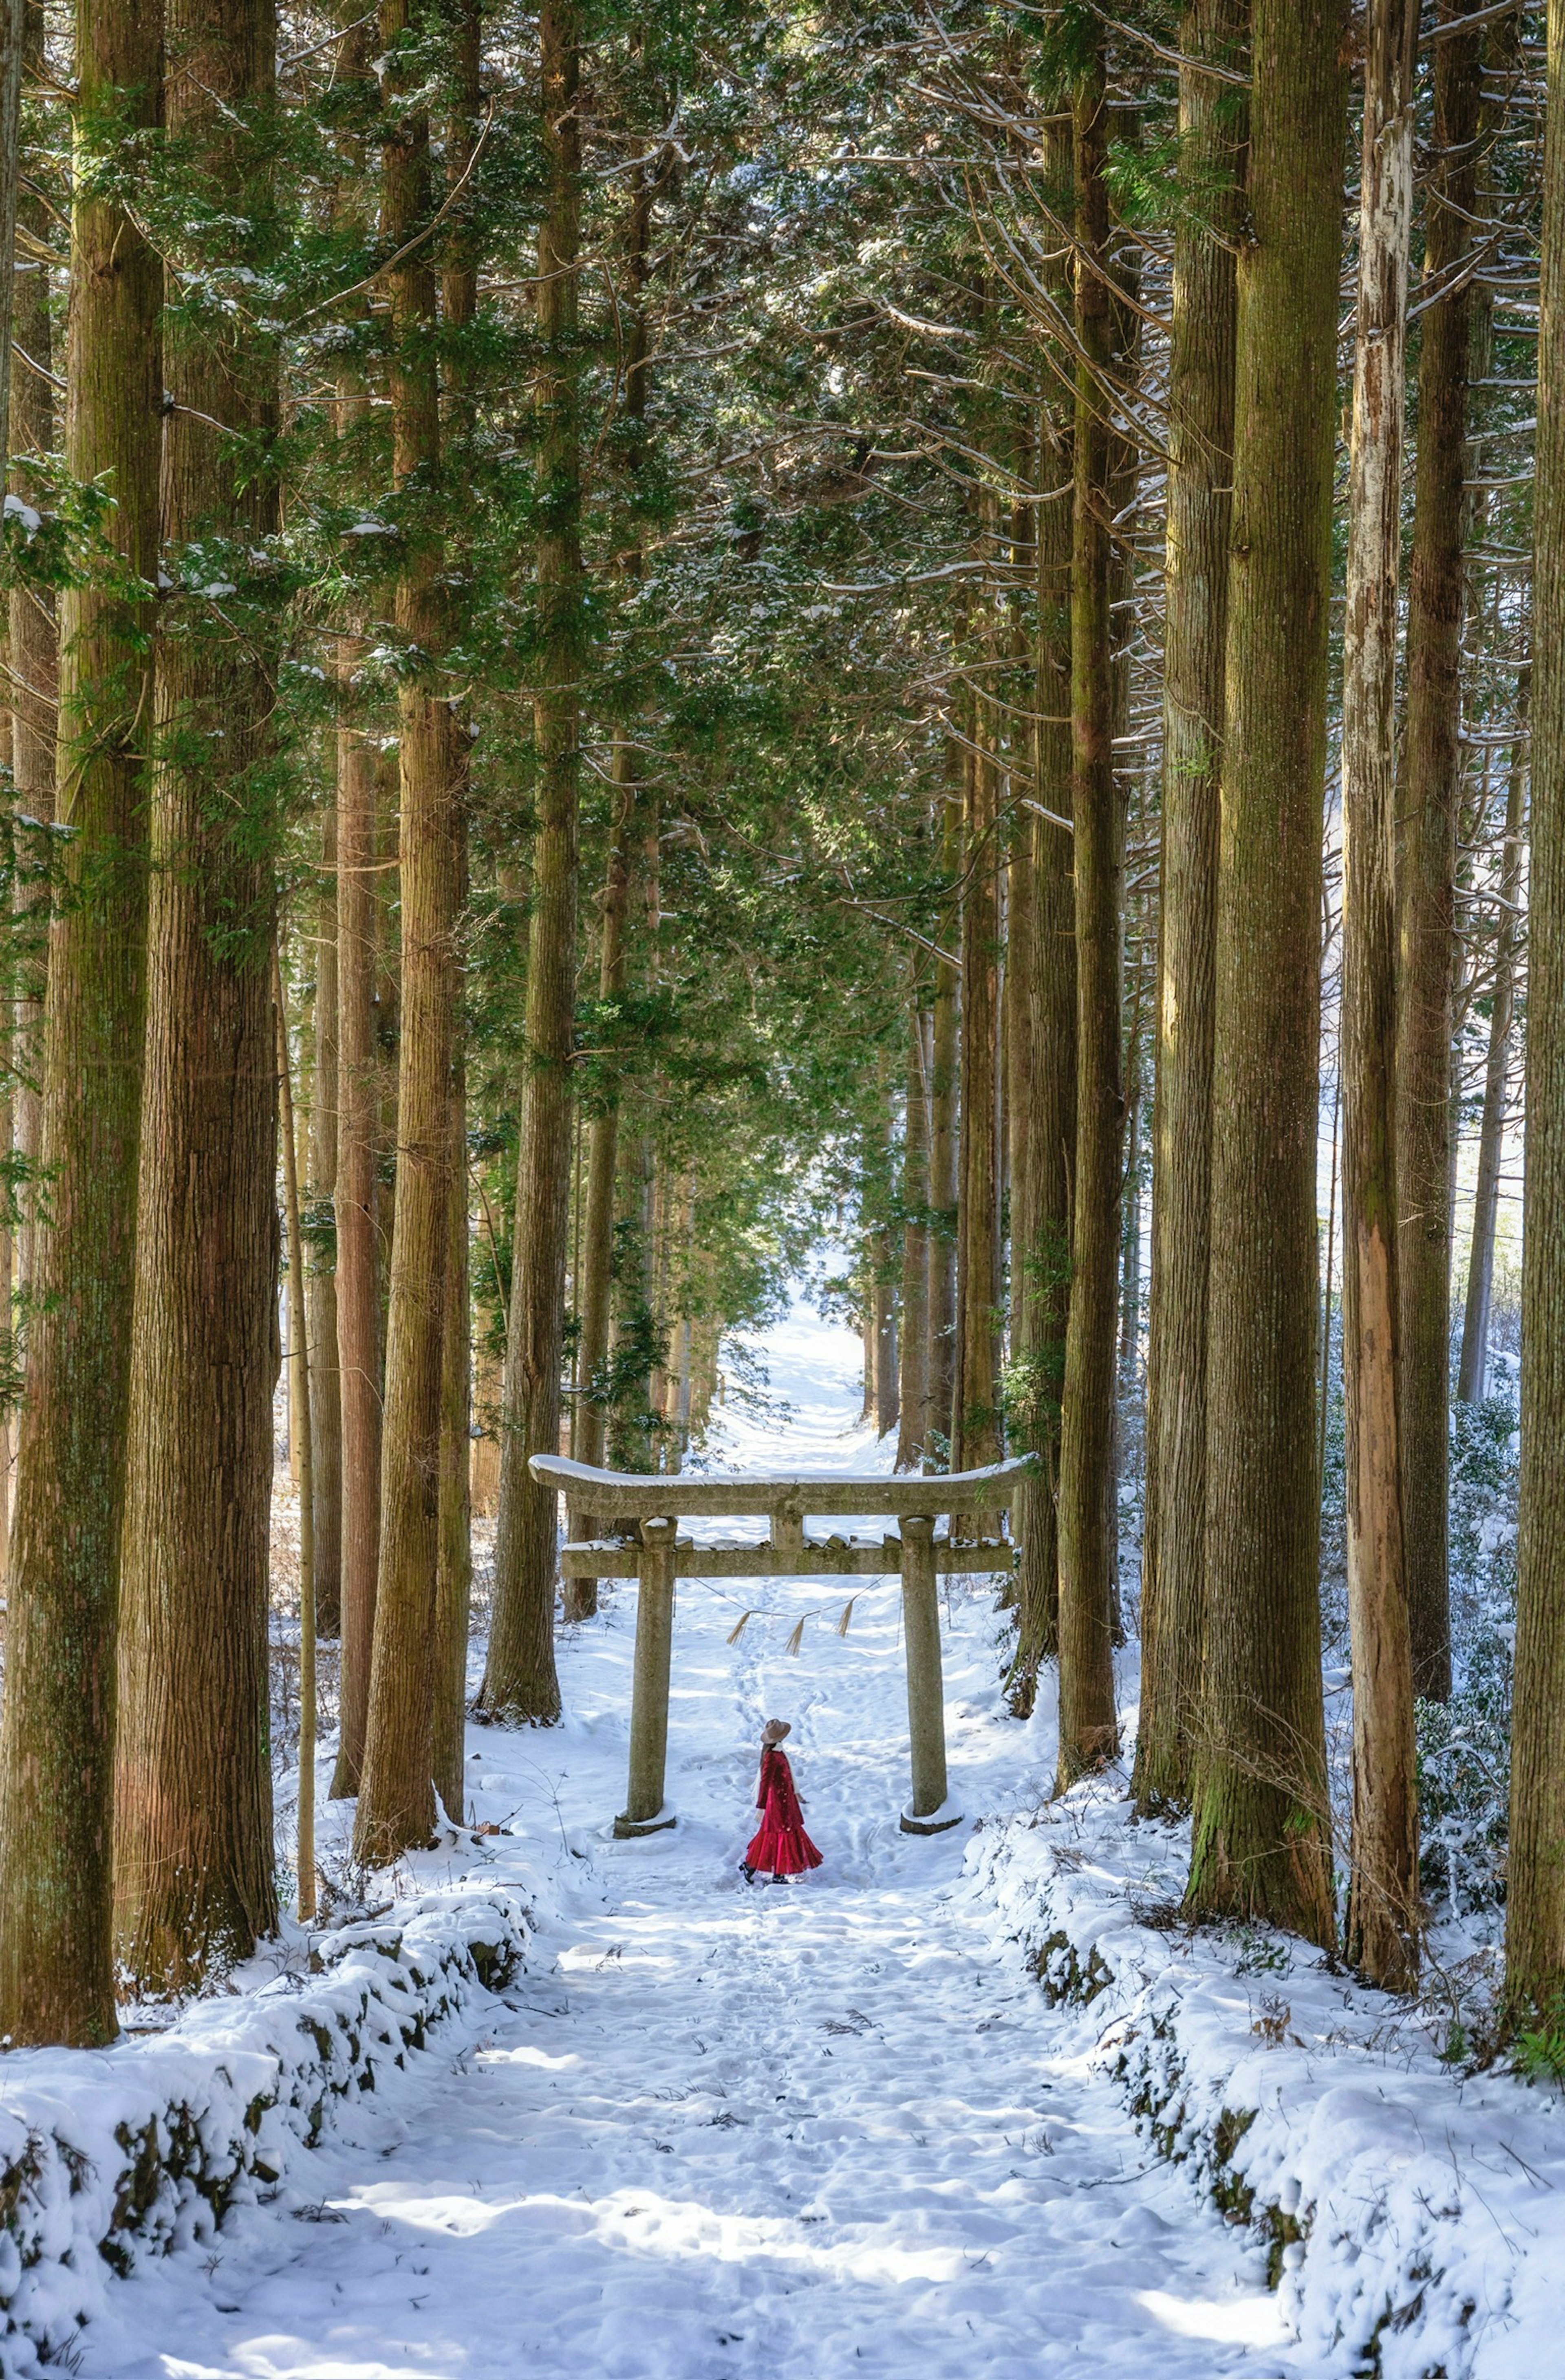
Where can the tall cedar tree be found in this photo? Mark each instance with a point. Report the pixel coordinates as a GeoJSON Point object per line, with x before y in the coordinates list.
{"type": "Point", "coordinates": [944, 1027]}
{"type": "Point", "coordinates": [1043, 1097]}
{"type": "Point", "coordinates": [1382, 1925]}
{"type": "Point", "coordinates": [396, 1802]}
{"type": "Point", "coordinates": [1088, 1728]}
{"type": "Point", "coordinates": [326, 1377]}
{"type": "Point", "coordinates": [453, 1573]}
{"type": "Point", "coordinates": [1211, 118]}
{"type": "Point", "coordinates": [1534, 1934]}
{"type": "Point", "coordinates": [1261, 1840]}
{"type": "Point", "coordinates": [56, 1738]}
{"type": "Point", "coordinates": [358, 1237]}
{"type": "Point", "coordinates": [193, 1855]}
{"type": "Point", "coordinates": [520, 1682]}
{"type": "Point", "coordinates": [975, 1416]}
{"type": "Point", "coordinates": [1473, 1367]}
{"type": "Point", "coordinates": [1428, 801]}
{"type": "Point", "coordinates": [914, 1366]}
{"type": "Point", "coordinates": [34, 659]}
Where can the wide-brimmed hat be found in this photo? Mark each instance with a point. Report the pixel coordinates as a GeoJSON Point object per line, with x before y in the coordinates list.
{"type": "Point", "coordinates": [775, 1730]}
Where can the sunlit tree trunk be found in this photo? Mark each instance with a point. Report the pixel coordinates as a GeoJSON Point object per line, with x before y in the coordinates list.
{"type": "Point", "coordinates": [193, 1852]}
{"type": "Point", "coordinates": [358, 1315]}
{"type": "Point", "coordinates": [1261, 1842]}
{"type": "Point", "coordinates": [1089, 1727]}
{"type": "Point", "coordinates": [943, 1149]}
{"type": "Point", "coordinates": [34, 688]}
{"type": "Point", "coordinates": [1043, 1107]}
{"type": "Point", "coordinates": [913, 1369]}
{"type": "Point", "coordinates": [357, 1235]}
{"type": "Point", "coordinates": [1200, 510]}
{"type": "Point", "coordinates": [1472, 1373]}
{"type": "Point", "coordinates": [521, 1683]}
{"type": "Point", "coordinates": [974, 1421]}
{"type": "Point", "coordinates": [1382, 1920]}
{"type": "Point", "coordinates": [1534, 1932]}
{"type": "Point", "coordinates": [397, 1804]}
{"type": "Point", "coordinates": [56, 1737]}
{"type": "Point", "coordinates": [325, 1379]}
{"type": "Point", "coordinates": [1428, 797]}
{"type": "Point", "coordinates": [595, 1288]}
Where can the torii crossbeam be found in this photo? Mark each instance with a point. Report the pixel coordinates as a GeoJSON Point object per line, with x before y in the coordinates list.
{"type": "Point", "coordinates": [658, 1501]}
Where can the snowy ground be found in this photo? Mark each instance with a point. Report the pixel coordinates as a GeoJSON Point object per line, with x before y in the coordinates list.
{"type": "Point", "coordinates": [811, 2130]}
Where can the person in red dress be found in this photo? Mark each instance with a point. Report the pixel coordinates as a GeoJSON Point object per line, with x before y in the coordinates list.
{"type": "Point", "coordinates": [781, 1846]}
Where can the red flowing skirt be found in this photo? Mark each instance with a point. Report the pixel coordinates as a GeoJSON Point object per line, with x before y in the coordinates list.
{"type": "Point", "coordinates": [777, 1850]}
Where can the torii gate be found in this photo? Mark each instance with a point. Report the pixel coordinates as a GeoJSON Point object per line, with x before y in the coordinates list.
{"type": "Point", "coordinates": [659, 1501]}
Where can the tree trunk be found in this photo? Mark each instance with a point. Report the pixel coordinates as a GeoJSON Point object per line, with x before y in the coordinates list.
{"type": "Point", "coordinates": [325, 1378]}
{"type": "Point", "coordinates": [1535, 1947]}
{"type": "Point", "coordinates": [358, 1304]}
{"type": "Point", "coordinates": [975, 1407]}
{"type": "Point", "coordinates": [1472, 1372]}
{"type": "Point", "coordinates": [193, 1850]}
{"type": "Point", "coordinates": [1382, 1920]}
{"type": "Point", "coordinates": [913, 1382]}
{"type": "Point", "coordinates": [593, 1295]}
{"type": "Point", "coordinates": [1427, 856]}
{"type": "Point", "coordinates": [1043, 1103]}
{"type": "Point", "coordinates": [397, 1804]}
{"type": "Point", "coordinates": [520, 1684]}
{"type": "Point", "coordinates": [34, 663]}
{"type": "Point", "coordinates": [943, 1150]}
{"type": "Point", "coordinates": [1261, 1836]}
{"type": "Point", "coordinates": [305, 1863]}
{"type": "Point", "coordinates": [56, 1736]}
{"type": "Point", "coordinates": [453, 1572]}
{"type": "Point", "coordinates": [882, 1266]}
{"type": "Point", "coordinates": [1200, 512]}
{"type": "Point", "coordinates": [1089, 1727]}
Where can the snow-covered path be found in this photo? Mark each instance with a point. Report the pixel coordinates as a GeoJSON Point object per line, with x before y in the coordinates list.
{"type": "Point", "coordinates": [809, 2130]}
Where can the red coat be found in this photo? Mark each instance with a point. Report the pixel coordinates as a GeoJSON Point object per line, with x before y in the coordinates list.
{"type": "Point", "coordinates": [782, 1846]}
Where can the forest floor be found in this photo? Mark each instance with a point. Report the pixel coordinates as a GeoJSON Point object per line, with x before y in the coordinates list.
{"type": "Point", "coordinates": [810, 2130]}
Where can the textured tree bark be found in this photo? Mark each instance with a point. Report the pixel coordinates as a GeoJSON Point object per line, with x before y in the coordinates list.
{"type": "Point", "coordinates": [975, 1402]}
{"type": "Point", "coordinates": [1088, 1726]}
{"type": "Point", "coordinates": [1200, 513]}
{"type": "Point", "coordinates": [454, 1569]}
{"type": "Point", "coordinates": [34, 688]}
{"type": "Point", "coordinates": [943, 1150]}
{"type": "Point", "coordinates": [19, 40]}
{"type": "Point", "coordinates": [1382, 1914]}
{"type": "Point", "coordinates": [520, 1684]}
{"type": "Point", "coordinates": [358, 1303]}
{"type": "Point", "coordinates": [594, 1292]}
{"type": "Point", "coordinates": [56, 1735]}
{"type": "Point", "coordinates": [326, 1377]}
{"type": "Point", "coordinates": [1043, 1109]}
{"type": "Point", "coordinates": [1534, 1931]}
{"type": "Point", "coordinates": [882, 1265]}
{"type": "Point", "coordinates": [1472, 1369]}
{"type": "Point", "coordinates": [913, 1367]}
{"type": "Point", "coordinates": [305, 1902]}
{"type": "Point", "coordinates": [1261, 1842]}
{"type": "Point", "coordinates": [396, 1802]}
{"type": "Point", "coordinates": [193, 1851]}
{"type": "Point", "coordinates": [1429, 795]}
{"type": "Point", "coordinates": [358, 1237]}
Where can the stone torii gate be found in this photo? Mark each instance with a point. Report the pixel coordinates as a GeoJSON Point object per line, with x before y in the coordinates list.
{"type": "Point", "coordinates": [659, 1556]}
